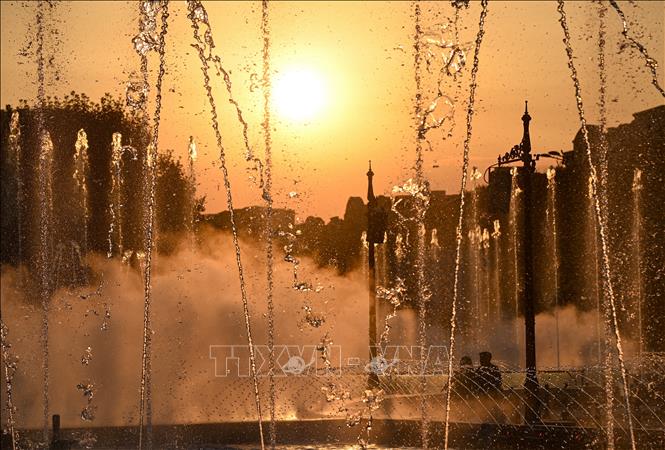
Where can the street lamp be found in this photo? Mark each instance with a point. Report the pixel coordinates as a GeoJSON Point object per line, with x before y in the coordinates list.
{"type": "Point", "coordinates": [376, 226]}
{"type": "Point", "coordinates": [522, 153]}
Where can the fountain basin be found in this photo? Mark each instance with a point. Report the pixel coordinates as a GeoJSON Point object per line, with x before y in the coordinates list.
{"type": "Point", "coordinates": [334, 433]}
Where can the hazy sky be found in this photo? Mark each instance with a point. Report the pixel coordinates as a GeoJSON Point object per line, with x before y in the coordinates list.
{"type": "Point", "coordinates": [362, 56]}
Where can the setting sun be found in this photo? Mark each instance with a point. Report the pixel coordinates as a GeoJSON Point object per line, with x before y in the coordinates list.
{"type": "Point", "coordinates": [299, 94]}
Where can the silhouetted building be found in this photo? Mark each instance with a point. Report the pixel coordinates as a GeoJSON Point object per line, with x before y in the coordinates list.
{"type": "Point", "coordinates": [491, 261]}
{"type": "Point", "coordinates": [636, 223]}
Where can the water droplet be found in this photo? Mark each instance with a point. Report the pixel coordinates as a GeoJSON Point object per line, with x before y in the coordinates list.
{"type": "Point", "coordinates": [313, 319]}
{"type": "Point", "coordinates": [87, 356]}
{"type": "Point", "coordinates": [144, 42]}
{"type": "Point", "coordinates": [198, 13]}
{"type": "Point", "coordinates": [192, 149]}
{"type": "Point", "coordinates": [353, 419]}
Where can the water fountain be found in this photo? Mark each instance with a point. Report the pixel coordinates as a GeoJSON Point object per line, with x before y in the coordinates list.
{"type": "Point", "coordinates": [15, 149]}
{"type": "Point", "coordinates": [637, 230]}
{"type": "Point", "coordinates": [474, 248]}
{"type": "Point", "coordinates": [199, 18]}
{"type": "Point", "coordinates": [192, 155]}
{"type": "Point", "coordinates": [551, 220]}
{"type": "Point", "coordinates": [115, 207]}
{"type": "Point", "coordinates": [516, 249]}
{"type": "Point", "coordinates": [496, 268]}
{"type": "Point", "coordinates": [416, 273]}
{"type": "Point", "coordinates": [81, 175]}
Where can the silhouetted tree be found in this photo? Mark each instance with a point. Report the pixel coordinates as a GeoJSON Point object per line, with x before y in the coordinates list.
{"type": "Point", "coordinates": [62, 119]}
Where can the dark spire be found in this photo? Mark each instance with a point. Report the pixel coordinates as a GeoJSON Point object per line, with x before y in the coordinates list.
{"type": "Point", "coordinates": [526, 118]}
{"type": "Point", "coordinates": [370, 188]}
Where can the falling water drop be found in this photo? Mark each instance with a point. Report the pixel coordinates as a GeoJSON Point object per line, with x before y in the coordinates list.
{"type": "Point", "coordinates": [267, 196]}
{"type": "Point", "coordinates": [421, 197]}
{"type": "Point", "coordinates": [87, 356]}
{"type": "Point", "coordinates": [107, 316]}
{"type": "Point", "coordinates": [80, 177]}
{"type": "Point", "coordinates": [551, 221]}
{"type": "Point", "coordinates": [421, 207]}
{"type": "Point", "coordinates": [460, 220]}
{"type": "Point", "coordinates": [484, 248]}
{"type": "Point", "coordinates": [148, 12]}
{"type": "Point", "coordinates": [9, 363]}
{"type": "Point", "coordinates": [115, 207]}
{"type": "Point", "coordinates": [395, 296]}
{"type": "Point", "coordinates": [650, 62]}
{"type": "Point", "coordinates": [474, 238]}
{"type": "Point", "coordinates": [136, 93]}
{"type": "Point", "coordinates": [603, 173]}
{"type": "Point", "coordinates": [195, 15]}
{"type": "Point", "coordinates": [147, 39]}
{"type": "Point", "coordinates": [600, 225]}
{"type": "Point", "coordinates": [637, 238]}
{"type": "Point", "coordinates": [399, 247]}
{"type": "Point", "coordinates": [372, 399]}
{"type": "Point", "coordinates": [88, 390]}
{"type": "Point", "coordinates": [515, 203]}
{"type": "Point", "coordinates": [324, 349]}
{"type": "Point", "coordinates": [192, 154]}
{"type": "Point", "coordinates": [45, 197]}
{"type": "Point", "coordinates": [459, 59]}
{"type": "Point", "coordinates": [496, 237]}
{"type": "Point", "coordinates": [15, 151]}
{"type": "Point", "coordinates": [45, 183]}
{"type": "Point", "coordinates": [314, 320]}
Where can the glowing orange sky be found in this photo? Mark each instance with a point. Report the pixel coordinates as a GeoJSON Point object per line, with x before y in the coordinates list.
{"type": "Point", "coordinates": [364, 52]}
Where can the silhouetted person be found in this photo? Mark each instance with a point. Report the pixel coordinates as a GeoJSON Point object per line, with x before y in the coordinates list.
{"type": "Point", "coordinates": [489, 375]}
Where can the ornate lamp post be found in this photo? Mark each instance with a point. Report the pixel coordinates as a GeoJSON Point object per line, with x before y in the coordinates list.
{"type": "Point", "coordinates": [375, 233]}
{"type": "Point", "coordinates": [522, 153]}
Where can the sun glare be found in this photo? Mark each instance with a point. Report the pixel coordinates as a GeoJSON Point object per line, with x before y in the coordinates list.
{"type": "Point", "coordinates": [299, 94]}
